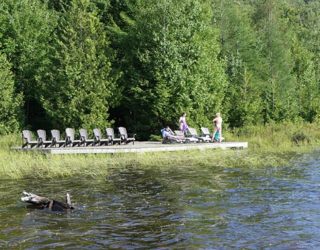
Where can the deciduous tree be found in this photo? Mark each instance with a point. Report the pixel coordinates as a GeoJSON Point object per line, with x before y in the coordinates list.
{"type": "Point", "coordinates": [10, 101]}
{"type": "Point", "coordinates": [171, 65]}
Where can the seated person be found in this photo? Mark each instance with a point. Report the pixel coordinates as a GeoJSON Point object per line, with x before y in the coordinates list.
{"type": "Point", "coordinates": [168, 134]}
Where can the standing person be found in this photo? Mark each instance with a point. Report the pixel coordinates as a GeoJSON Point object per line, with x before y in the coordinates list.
{"type": "Point", "coordinates": [217, 124]}
{"type": "Point", "coordinates": [183, 123]}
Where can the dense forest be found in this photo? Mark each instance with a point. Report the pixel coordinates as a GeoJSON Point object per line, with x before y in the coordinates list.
{"type": "Point", "coordinates": [141, 63]}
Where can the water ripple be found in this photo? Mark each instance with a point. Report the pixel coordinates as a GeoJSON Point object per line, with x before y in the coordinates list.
{"type": "Point", "coordinates": [180, 208]}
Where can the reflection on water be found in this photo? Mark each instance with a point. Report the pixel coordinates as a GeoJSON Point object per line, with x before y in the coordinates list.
{"type": "Point", "coordinates": [183, 207]}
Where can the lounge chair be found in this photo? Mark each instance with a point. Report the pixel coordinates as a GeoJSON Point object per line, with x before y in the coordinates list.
{"type": "Point", "coordinates": [186, 139]}
{"type": "Point", "coordinates": [98, 137]}
{"type": "Point", "coordinates": [42, 138]}
{"type": "Point", "coordinates": [84, 138]}
{"type": "Point", "coordinates": [124, 135]}
{"type": "Point", "coordinates": [205, 132]}
{"type": "Point", "coordinates": [27, 139]}
{"type": "Point", "coordinates": [111, 136]}
{"type": "Point", "coordinates": [193, 133]}
{"type": "Point", "coordinates": [170, 138]}
{"type": "Point", "coordinates": [70, 134]}
{"type": "Point", "coordinates": [56, 139]}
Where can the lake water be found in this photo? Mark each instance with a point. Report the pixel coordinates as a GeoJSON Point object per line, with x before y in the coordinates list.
{"type": "Point", "coordinates": [179, 208]}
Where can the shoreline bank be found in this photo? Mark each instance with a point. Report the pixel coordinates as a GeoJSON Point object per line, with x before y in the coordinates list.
{"type": "Point", "coordinates": [273, 145]}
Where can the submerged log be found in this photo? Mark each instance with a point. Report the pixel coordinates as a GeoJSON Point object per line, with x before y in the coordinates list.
{"type": "Point", "coordinates": [44, 202]}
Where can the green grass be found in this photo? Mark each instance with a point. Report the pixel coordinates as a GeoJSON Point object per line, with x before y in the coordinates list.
{"type": "Point", "coordinates": [271, 145]}
{"type": "Point", "coordinates": [285, 137]}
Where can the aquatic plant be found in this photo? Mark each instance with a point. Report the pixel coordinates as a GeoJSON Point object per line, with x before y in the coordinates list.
{"type": "Point", "coordinates": [271, 145]}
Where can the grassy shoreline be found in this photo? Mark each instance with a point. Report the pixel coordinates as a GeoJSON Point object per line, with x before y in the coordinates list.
{"type": "Point", "coordinates": [272, 145]}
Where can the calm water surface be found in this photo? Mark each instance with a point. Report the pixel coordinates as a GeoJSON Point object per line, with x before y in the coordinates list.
{"type": "Point", "coordinates": [181, 208]}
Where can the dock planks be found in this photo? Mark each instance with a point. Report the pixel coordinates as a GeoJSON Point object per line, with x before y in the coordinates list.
{"type": "Point", "coordinates": [138, 147]}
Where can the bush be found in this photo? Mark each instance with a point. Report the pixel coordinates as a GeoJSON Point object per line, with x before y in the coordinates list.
{"type": "Point", "coordinates": [155, 138]}
{"type": "Point", "coordinates": [300, 138]}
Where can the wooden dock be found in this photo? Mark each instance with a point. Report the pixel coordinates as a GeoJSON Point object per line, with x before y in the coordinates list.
{"type": "Point", "coordinates": [137, 147]}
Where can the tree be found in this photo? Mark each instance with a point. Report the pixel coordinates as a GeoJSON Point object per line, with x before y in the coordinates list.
{"type": "Point", "coordinates": [10, 101]}
{"type": "Point", "coordinates": [303, 19]}
{"type": "Point", "coordinates": [26, 28]}
{"type": "Point", "coordinates": [309, 32]}
{"type": "Point", "coordinates": [277, 67]}
{"type": "Point", "coordinates": [171, 65]}
{"type": "Point", "coordinates": [78, 85]}
{"type": "Point", "coordinates": [242, 55]}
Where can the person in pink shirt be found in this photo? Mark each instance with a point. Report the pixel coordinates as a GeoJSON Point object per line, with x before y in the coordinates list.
{"type": "Point", "coordinates": [183, 123]}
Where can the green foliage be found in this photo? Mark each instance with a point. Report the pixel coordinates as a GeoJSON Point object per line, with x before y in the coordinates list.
{"type": "Point", "coordinates": [300, 138]}
{"type": "Point", "coordinates": [78, 84]}
{"type": "Point", "coordinates": [269, 145]}
{"type": "Point", "coordinates": [278, 137]}
{"type": "Point", "coordinates": [140, 64]}
{"type": "Point", "coordinates": [171, 65]}
{"type": "Point", "coordinates": [10, 101]}
{"type": "Point", "coordinates": [277, 65]}
{"type": "Point", "coordinates": [307, 26]}
{"type": "Point", "coordinates": [306, 53]}
{"type": "Point", "coordinates": [155, 138]}
{"type": "Point", "coordinates": [241, 51]}
{"type": "Point", "coordinates": [25, 28]}
{"type": "Point", "coordinates": [307, 89]}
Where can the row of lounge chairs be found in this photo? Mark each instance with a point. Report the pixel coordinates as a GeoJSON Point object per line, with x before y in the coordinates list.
{"type": "Point", "coordinates": [191, 136]}
{"type": "Point", "coordinates": [70, 140]}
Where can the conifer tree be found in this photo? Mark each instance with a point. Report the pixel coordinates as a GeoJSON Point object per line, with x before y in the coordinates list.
{"type": "Point", "coordinates": [78, 86]}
